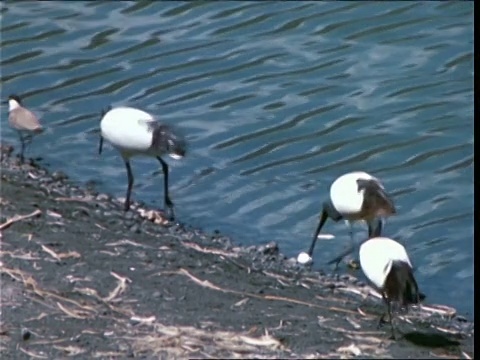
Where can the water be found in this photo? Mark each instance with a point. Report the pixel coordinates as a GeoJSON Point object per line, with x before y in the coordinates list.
{"type": "Point", "coordinates": [277, 100]}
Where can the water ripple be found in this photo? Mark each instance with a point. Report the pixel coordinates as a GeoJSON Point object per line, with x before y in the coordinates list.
{"type": "Point", "coordinates": [276, 101]}
{"type": "Point", "coordinates": [287, 125]}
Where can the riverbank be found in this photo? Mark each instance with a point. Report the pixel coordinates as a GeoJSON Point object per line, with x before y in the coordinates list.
{"type": "Point", "coordinates": [81, 278]}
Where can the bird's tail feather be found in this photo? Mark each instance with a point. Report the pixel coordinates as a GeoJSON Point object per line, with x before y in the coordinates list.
{"type": "Point", "coordinates": [38, 130]}
{"type": "Point", "coordinates": [401, 286]}
{"type": "Point", "coordinates": [376, 200]}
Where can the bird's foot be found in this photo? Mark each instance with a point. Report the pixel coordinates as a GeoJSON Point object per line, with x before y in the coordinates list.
{"type": "Point", "coordinates": [353, 264]}
{"type": "Point", "coordinates": [169, 213]}
{"type": "Point", "coordinates": [381, 322]}
{"type": "Point", "coordinates": [336, 265]}
{"type": "Point", "coordinates": [169, 209]}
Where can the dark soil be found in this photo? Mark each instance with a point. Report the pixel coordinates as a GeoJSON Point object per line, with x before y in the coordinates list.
{"type": "Point", "coordinates": [81, 278]}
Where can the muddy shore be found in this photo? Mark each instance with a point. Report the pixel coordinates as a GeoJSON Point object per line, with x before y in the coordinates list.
{"type": "Point", "coordinates": [80, 278]}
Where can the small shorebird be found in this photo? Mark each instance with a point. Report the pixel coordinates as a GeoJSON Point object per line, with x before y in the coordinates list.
{"type": "Point", "coordinates": [135, 132]}
{"type": "Point", "coordinates": [386, 264]}
{"type": "Point", "coordinates": [355, 196]}
{"type": "Point", "coordinates": [24, 121]}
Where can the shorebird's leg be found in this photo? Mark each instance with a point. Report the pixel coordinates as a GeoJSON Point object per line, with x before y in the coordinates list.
{"type": "Point", "coordinates": [389, 308]}
{"type": "Point", "coordinates": [130, 185]}
{"type": "Point", "coordinates": [168, 204]}
{"type": "Point", "coordinates": [340, 257]}
{"type": "Point", "coordinates": [22, 146]}
{"type": "Point", "coordinates": [375, 227]}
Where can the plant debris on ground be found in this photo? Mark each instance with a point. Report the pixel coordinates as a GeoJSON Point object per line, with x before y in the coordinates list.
{"type": "Point", "coordinates": [80, 278]}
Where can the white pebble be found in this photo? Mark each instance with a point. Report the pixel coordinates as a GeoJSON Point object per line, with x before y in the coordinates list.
{"type": "Point", "coordinates": [303, 258]}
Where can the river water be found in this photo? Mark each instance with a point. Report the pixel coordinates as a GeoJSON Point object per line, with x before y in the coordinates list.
{"type": "Point", "coordinates": [276, 99]}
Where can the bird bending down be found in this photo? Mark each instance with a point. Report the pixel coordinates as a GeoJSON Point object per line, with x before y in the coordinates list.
{"type": "Point", "coordinates": [24, 121]}
{"type": "Point", "coordinates": [135, 132]}
{"type": "Point", "coordinates": [355, 196]}
{"type": "Point", "coordinates": [386, 265]}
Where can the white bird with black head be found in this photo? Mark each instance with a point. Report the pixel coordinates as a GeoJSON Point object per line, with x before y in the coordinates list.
{"type": "Point", "coordinates": [386, 264]}
{"type": "Point", "coordinates": [353, 197]}
{"type": "Point", "coordinates": [135, 132]}
{"type": "Point", "coordinates": [24, 121]}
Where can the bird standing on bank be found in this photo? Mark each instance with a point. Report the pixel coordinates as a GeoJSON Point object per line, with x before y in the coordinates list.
{"type": "Point", "coordinates": [386, 264]}
{"type": "Point", "coordinates": [135, 132]}
{"type": "Point", "coordinates": [24, 121]}
{"type": "Point", "coordinates": [355, 196]}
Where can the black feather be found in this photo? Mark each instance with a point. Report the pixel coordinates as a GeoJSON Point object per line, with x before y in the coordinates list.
{"type": "Point", "coordinates": [165, 139]}
{"type": "Point", "coordinates": [400, 285]}
{"type": "Point", "coordinates": [375, 198]}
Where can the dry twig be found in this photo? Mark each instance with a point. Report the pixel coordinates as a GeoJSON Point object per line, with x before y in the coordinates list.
{"type": "Point", "coordinates": [208, 284]}
{"type": "Point", "coordinates": [197, 247]}
{"type": "Point", "coordinates": [60, 256]}
{"type": "Point", "coordinates": [73, 199]}
{"type": "Point", "coordinates": [17, 218]}
{"type": "Point", "coordinates": [120, 288]}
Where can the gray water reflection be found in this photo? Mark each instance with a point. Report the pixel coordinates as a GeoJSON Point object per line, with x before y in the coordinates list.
{"type": "Point", "coordinates": [277, 101]}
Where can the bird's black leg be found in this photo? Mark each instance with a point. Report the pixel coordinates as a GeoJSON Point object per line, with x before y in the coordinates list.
{"type": "Point", "coordinates": [389, 308]}
{"type": "Point", "coordinates": [381, 321]}
{"type": "Point", "coordinates": [22, 146]}
{"type": "Point", "coordinates": [375, 231]}
{"type": "Point", "coordinates": [349, 250]}
{"type": "Point", "coordinates": [168, 204]}
{"type": "Point", "coordinates": [340, 257]}
{"type": "Point", "coordinates": [28, 140]}
{"type": "Point", "coordinates": [390, 318]}
{"type": "Point", "coordinates": [350, 231]}
{"type": "Point", "coordinates": [130, 184]}
{"type": "Point", "coordinates": [382, 318]}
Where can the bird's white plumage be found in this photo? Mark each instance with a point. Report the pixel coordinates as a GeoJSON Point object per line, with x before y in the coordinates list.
{"type": "Point", "coordinates": [127, 130]}
{"type": "Point", "coordinates": [377, 255]}
{"type": "Point", "coordinates": [344, 192]}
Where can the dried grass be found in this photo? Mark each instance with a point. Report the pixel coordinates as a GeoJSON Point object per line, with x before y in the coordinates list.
{"type": "Point", "coordinates": [17, 218]}
{"type": "Point", "coordinates": [186, 341]}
